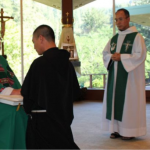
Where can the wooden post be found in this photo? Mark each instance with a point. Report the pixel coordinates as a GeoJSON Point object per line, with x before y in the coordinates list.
{"type": "Point", "coordinates": [91, 81]}
{"type": "Point", "coordinates": [67, 12]}
{"type": "Point", "coordinates": [104, 80]}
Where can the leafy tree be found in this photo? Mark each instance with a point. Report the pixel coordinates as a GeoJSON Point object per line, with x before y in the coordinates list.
{"type": "Point", "coordinates": [91, 37]}
{"type": "Point", "coordinates": [140, 2]}
{"type": "Point", "coordinates": [93, 19]}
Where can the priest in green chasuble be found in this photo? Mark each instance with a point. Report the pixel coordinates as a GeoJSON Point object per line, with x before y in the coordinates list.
{"type": "Point", "coordinates": [13, 121]}
{"type": "Point", "coordinates": [124, 105]}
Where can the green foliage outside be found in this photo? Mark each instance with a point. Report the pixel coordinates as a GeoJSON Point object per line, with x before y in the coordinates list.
{"type": "Point", "coordinates": [34, 14]}
{"type": "Point", "coordinates": [92, 30]}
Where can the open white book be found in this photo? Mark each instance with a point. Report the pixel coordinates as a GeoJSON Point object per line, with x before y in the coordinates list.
{"type": "Point", "coordinates": [11, 99]}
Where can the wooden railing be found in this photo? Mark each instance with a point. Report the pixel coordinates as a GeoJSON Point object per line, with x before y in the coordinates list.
{"type": "Point", "coordinates": [91, 77]}
{"type": "Point", "coordinates": [147, 80]}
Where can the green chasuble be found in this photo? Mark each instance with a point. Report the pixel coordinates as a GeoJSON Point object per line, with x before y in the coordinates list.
{"type": "Point", "coordinates": [13, 123]}
{"type": "Point", "coordinates": [121, 78]}
{"type": "Point", "coordinates": [7, 77]}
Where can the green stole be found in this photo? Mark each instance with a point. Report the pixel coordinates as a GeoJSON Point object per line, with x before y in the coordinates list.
{"type": "Point", "coordinates": [7, 77]}
{"type": "Point", "coordinates": [121, 78]}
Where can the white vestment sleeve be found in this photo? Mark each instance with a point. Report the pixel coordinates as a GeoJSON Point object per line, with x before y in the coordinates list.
{"type": "Point", "coordinates": [7, 91]}
{"type": "Point", "coordinates": [107, 54]}
{"type": "Point", "coordinates": [138, 56]}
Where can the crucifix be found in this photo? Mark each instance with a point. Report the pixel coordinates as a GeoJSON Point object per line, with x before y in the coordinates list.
{"type": "Point", "coordinates": [127, 45]}
{"type": "Point", "coordinates": [3, 20]}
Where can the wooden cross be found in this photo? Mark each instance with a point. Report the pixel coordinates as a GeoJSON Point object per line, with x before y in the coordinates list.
{"type": "Point", "coordinates": [3, 19]}
{"type": "Point", "coordinates": [67, 12]}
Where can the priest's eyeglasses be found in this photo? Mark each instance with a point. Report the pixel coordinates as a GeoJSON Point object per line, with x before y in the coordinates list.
{"type": "Point", "coordinates": [120, 19]}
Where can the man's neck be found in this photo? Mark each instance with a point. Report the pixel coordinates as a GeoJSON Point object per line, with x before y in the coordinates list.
{"type": "Point", "coordinates": [49, 46]}
{"type": "Point", "coordinates": [125, 29]}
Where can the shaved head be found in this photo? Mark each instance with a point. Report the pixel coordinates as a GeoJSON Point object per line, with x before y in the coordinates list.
{"type": "Point", "coordinates": [46, 31]}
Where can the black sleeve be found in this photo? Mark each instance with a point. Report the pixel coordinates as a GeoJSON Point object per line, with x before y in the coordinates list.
{"type": "Point", "coordinates": [28, 89]}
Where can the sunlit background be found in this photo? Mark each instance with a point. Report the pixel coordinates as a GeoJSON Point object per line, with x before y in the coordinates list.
{"type": "Point", "coordinates": [93, 27]}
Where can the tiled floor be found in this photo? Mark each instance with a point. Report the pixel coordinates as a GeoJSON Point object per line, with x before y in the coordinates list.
{"type": "Point", "coordinates": [88, 135]}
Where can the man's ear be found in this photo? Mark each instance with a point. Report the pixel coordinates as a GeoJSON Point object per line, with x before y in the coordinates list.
{"type": "Point", "coordinates": [129, 19]}
{"type": "Point", "coordinates": [41, 38]}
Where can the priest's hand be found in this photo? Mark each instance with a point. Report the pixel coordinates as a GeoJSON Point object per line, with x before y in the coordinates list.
{"type": "Point", "coordinates": [116, 57]}
{"type": "Point", "coordinates": [16, 92]}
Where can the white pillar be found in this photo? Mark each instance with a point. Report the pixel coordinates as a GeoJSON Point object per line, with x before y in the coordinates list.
{"type": "Point", "coordinates": [22, 47]}
{"type": "Point", "coordinates": [114, 24]}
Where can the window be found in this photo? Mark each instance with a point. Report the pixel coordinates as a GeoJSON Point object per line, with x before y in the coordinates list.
{"type": "Point", "coordinates": [93, 27]}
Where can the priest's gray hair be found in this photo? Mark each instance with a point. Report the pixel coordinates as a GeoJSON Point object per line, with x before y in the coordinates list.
{"type": "Point", "coordinates": [126, 12]}
{"type": "Point", "coordinates": [45, 31]}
